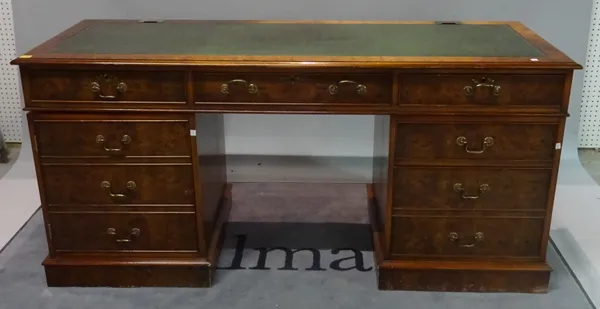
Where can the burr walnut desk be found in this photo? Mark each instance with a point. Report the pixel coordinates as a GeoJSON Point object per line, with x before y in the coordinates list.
{"type": "Point", "coordinates": [126, 122]}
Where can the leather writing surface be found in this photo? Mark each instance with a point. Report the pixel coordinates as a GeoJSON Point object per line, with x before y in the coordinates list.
{"type": "Point", "coordinates": [309, 39]}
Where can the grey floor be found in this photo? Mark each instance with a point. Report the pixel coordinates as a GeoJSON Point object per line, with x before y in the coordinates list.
{"type": "Point", "coordinates": [343, 278]}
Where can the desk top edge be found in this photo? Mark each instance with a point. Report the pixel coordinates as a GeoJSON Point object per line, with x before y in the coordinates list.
{"type": "Point", "coordinates": [552, 58]}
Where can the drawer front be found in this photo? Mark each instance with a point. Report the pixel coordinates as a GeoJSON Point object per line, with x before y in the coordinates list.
{"type": "Point", "coordinates": [471, 188]}
{"type": "Point", "coordinates": [510, 141]}
{"type": "Point", "coordinates": [80, 185]}
{"type": "Point", "coordinates": [303, 88]}
{"type": "Point", "coordinates": [86, 86]}
{"type": "Point", "coordinates": [429, 237]}
{"type": "Point", "coordinates": [483, 90]}
{"type": "Point", "coordinates": [112, 138]}
{"type": "Point", "coordinates": [124, 231]}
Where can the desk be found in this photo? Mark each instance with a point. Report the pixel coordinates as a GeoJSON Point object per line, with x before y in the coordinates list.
{"type": "Point", "coordinates": [126, 122]}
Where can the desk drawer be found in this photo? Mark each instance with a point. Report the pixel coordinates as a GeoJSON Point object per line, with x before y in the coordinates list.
{"type": "Point", "coordinates": [112, 136]}
{"type": "Point", "coordinates": [124, 231]}
{"type": "Point", "coordinates": [112, 184]}
{"type": "Point", "coordinates": [431, 237]}
{"type": "Point", "coordinates": [101, 86]}
{"type": "Point", "coordinates": [475, 141]}
{"type": "Point", "coordinates": [290, 88]}
{"type": "Point", "coordinates": [470, 188]}
{"type": "Point", "coordinates": [482, 89]}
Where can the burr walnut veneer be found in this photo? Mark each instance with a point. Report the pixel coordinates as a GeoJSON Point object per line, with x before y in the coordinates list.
{"type": "Point", "coordinates": [126, 122]}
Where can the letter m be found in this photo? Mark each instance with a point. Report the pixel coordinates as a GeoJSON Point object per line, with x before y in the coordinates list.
{"type": "Point", "coordinates": [289, 258]}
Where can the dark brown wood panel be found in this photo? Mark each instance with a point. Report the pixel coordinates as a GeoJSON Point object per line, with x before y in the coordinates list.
{"type": "Point", "coordinates": [380, 250]}
{"type": "Point", "coordinates": [321, 88]}
{"type": "Point", "coordinates": [127, 272]}
{"type": "Point", "coordinates": [471, 188]}
{"type": "Point", "coordinates": [85, 185]}
{"type": "Point", "coordinates": [40, 185]}
{"type": "Point", "coordinates": [464, 280]}
{"type": "Point", "coordinates": [469, 237]}
{"type": "Point", "coordinates": [555, 170]}
{"type": "Point", "coordinates": [112, 137]}
{"type": "Point", "coordinates": [381, 158]}
{"type": "Point", "coordinates": [106, 86]}
{"type": "Point", "coordinates": [475, 141]}
{"type": "Point", "coordinates": [482, 88]}
{"type": "Point", "coordinates": [128, 276]}
{"type": "Point", "coordinates": [220, 223]}
{"type": "Point", "coordinates": [124, 231]}
{"type": "Point", "coordinates": [212, 169]}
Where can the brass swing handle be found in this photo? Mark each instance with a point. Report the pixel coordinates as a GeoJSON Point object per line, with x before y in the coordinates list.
{"type": "Point", "coordinates": [453, 236]}
{"type": "Point", "coordinates": [462, 141]}
{"type": "Point", "coordinates": [130, 186]}
{"type": "Point", "coordinates": [334, 88]}
{"type": "Point", "coordinates": [484, 82]}
{"type": "Point", "coordinates": [458, 187]}
{"type": "Point", "coordinates": [125, 140]}
{"type": "Point", "coordinates": [135, 232]}
{"type": "Point", "coordinates": [95, 87]}
{"type": "Point", "coordinates": [252, 88]}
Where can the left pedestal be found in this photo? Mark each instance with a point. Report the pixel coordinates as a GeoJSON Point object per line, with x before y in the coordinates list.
{"type": "Point", "coordinates": [124, 199]}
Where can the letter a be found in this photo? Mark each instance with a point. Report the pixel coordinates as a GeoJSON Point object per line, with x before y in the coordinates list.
{"type": "Point", "coordinates": [358, 261]}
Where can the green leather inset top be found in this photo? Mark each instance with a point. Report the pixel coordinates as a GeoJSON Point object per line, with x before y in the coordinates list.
{"type": "Point", "coordinates": [293, 39]}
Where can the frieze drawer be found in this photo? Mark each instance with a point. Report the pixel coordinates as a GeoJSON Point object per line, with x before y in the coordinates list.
{"type": "Point", "coordinates": [370, 89]}
{"type": "Point", "coordinates": [480, 89]}
{"type": "Point", "coordinates": [52, 86]}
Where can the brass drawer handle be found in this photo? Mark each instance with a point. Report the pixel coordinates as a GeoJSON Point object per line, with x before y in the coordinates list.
{"type": "Point", "coordinates": [252, 88]}
{"type": "Point", "coordinates": [487, 142]}
{"type": "Point", "coordinates": [453, 236]}
{"type": "Point", "coordinates": [458, 187]}
{"type": "Point", "coordinates": [130, 186]}
{"type": "Point", "coordinates": [334, 88]}
{"type": "Point", "coordinates": [484, 82]}
{"type": "Point", "coordinates": [95, 87]}
{"type": "Point", "coordinates": [135, 232]}
{"type": "Point", "coordinates": [125, 140]}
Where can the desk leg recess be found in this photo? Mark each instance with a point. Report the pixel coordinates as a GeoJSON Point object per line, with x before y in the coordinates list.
{"type": "Point", "coordinates": [218, 235]}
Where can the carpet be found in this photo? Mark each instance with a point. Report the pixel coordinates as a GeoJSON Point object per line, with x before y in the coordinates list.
{"type": "Point", "coordinates": [312, 251]}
